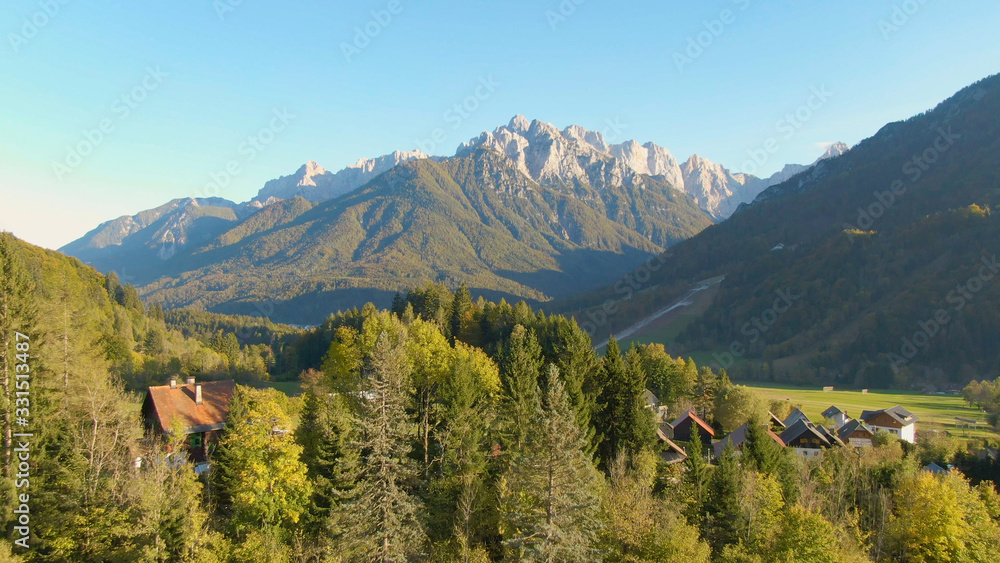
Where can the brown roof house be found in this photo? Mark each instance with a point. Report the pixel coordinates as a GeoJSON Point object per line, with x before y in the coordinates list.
{"type": "Point", "coordinates": [856, 433]}
{"type": "Point", "coordinates": [669, 451]}
{"type": "Point", "coordinates": [809, 440]}
{"type": "Point", "coordinates": [198, 410]}
{"type": "Point", "coordinates": [738, 437]}
{"type": "Point", "coordinates": [685, 426]}
{"type": "Point", "coordinates": [896, 421]}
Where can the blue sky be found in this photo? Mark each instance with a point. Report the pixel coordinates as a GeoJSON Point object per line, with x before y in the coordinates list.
{"type": "Point", "coordinates": [199, 77]}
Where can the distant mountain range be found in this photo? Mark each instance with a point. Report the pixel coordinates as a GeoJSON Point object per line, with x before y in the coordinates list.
{"type": "Point", "coordinates": [526, 211]}
{"type": "Point", "coordinates": [890, 250]}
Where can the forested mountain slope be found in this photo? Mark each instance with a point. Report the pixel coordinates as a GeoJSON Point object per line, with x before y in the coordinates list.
{"type": "Point", "coordinates": [473, 219]}
{"type": "Point", "coordinates": [875, 243]}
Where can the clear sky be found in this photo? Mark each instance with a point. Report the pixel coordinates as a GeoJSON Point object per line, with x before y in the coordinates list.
{"type": "Point", "coordinates": [179, 85]}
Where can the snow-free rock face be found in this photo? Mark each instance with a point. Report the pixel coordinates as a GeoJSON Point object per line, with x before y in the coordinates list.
{"type": "Point", "coordinates": [575, 154]}
{"type": "Point", "coordinates": [550, 156]}
{"type": "Point", "coordinates": [715, 188]}
{"type": "Point", "coordinates": [315, 184]}
{"type": "Point", "coordinates": [650, 159]}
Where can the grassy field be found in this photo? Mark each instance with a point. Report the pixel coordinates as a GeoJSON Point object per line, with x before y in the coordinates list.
{"type": "Point", "coordinates": [290, 388]}
{"type": "Point", "coordinates": [936, 409]}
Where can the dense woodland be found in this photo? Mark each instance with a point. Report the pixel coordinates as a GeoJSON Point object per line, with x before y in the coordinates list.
{"type": "Point", "coordinates": [875, 242]}
{"type": "Point", "coordinates": [445, 429]}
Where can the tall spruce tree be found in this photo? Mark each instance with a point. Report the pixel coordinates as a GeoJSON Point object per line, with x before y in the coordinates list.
{"type": "Point", "coordinates": [461, 314]}
{"type": "Point", "coordinates": [385, 516]}
{"type": "Point", "coordinates": [327, 436]}
{"type": "Point", "coordinates": [625, 425]}
{"type": "Point", "coordinates": [723, 503]}
{"type": "Point", "coordinates": [550, 496]}
{"type": "Point", "coordinates": [570, 348]}
{"type": "Point", "coordinates": [520, 368]}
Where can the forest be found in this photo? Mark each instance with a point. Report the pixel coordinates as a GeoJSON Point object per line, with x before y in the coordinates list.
{"type": "Point", "coordinates": [444, 429]}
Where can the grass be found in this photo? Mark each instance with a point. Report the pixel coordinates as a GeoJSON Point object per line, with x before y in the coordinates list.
{"type": "Point", "coordinates": [290, 388]}
{"type": "Point", "coordinates": [934, 409]}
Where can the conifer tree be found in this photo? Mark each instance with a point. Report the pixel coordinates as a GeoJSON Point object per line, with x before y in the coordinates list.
{"type": "Point", "coordinates": [385, 525]}
{"type": "Point", "coordinates": [697, 474]}
{"type": "Point", "coordinates": [520, 368]}
{"type": "Point", "coordinates": [722, 505]}
{"type": "Point", "coordinates": [461, 314]}
{"type": "Point", "coordinates": [327, 436]}
{"type": "Point", "coordinates": [550, 494]}
{"type": "Point", "coordinates": [625, 425]}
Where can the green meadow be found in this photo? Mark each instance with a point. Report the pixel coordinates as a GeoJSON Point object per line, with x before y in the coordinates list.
{"type": "Point", "coordinates": [935, 409]}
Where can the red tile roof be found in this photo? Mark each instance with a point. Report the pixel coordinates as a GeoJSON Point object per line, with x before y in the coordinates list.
{"type": "Point", "coordinates": [178, 404]}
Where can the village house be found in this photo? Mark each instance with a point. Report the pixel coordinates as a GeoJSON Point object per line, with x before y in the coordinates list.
{"type": "Point", "coordinates": [738, 437]}
{"type": "Point", "coordinates": [198, 410]}
{"type": "Point", "coordinates": [857, 434]}
{"type": "Point", "coordinates": [686, 425]}
{"type": "Point", "coordinates": [776, 423]}
{"type": "Point", "coordinates": [835, 415]}
{"type": "Point", "coordinates": [670, 452]}
{"type": "Point", "coordinates": [795, 416]}
{"type": "Point", "coordinates": [807, 439]}
{"type": "Point", "coordinates": [896, 421]}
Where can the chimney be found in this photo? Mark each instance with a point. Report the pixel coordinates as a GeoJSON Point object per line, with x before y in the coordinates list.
{"type": "Point", "coordinates": [197, 394]}
{"type": "Point", "coordinates": [189, 380]}
{"type": "Point", "coordinates": [173, 382]}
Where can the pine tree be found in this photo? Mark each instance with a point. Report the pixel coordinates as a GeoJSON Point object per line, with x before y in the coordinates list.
{"type": "Point", "coordinates": [326, 434]}
{"type": "Point", "coordinates": [520, 368]}
{"type": "Point", "coordinates": [696, 475]}
{"type": "Point", "coordinates": [461, 314]}
{"type": "Point", "coordinates": [550, 494]}
{"type": "Point", "coordinates": [625, 425]}
{"type": "Point", "coordinates": [385, 523]}
{"type": "Point", "coordinates": [570, 348]}
{"type": "Point", "coordinates": [458, 492]}
{"type": "Point", "coordinates": [722, 505]}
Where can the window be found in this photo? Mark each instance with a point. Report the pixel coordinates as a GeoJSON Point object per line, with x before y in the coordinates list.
{"type": "Point", "coordinates": [196, 440]}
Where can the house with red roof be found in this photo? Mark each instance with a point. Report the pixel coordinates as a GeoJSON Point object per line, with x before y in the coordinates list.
{"type": "Point", "coordinates": [198, 410]}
